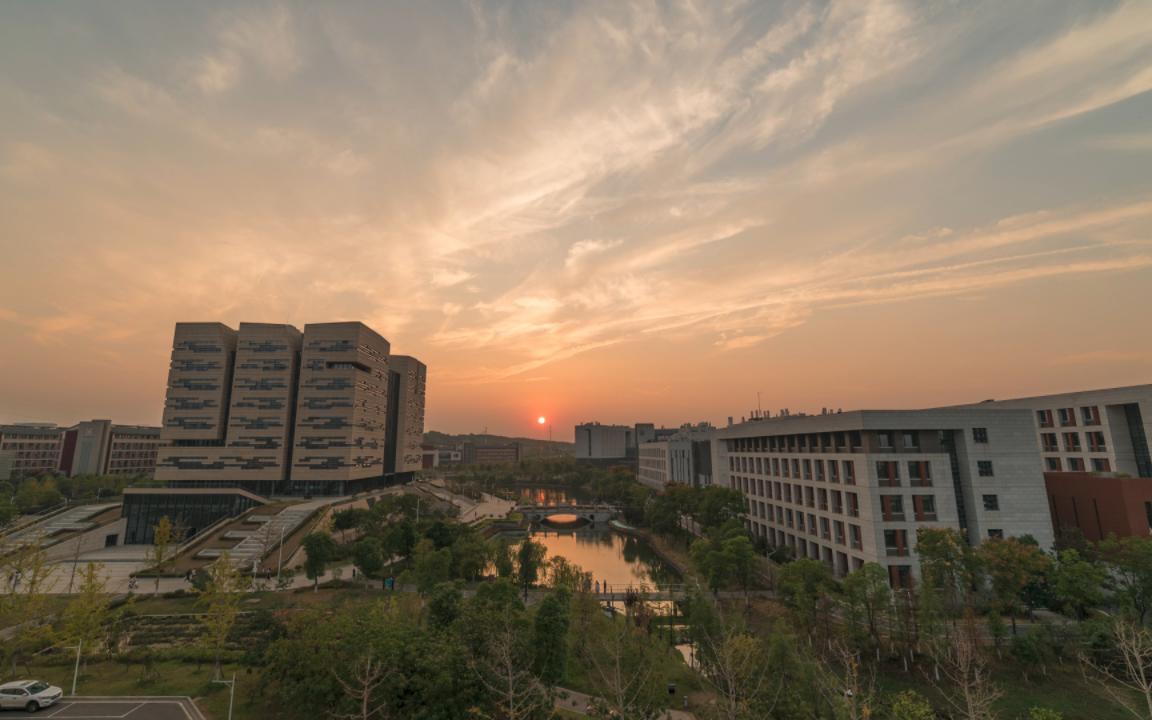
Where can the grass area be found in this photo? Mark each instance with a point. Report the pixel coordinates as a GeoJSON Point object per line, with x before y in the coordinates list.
{"type": "Point", "coordinates": [269, 600]}
{"type": "Point", "coordinates": [1064, 689]}
{"type": "Point", "coordinates": [169, 678]}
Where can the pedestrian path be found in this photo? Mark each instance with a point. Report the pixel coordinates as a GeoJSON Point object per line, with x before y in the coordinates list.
{"type": "Point", "coordinates": [273, 530]}
{"type": "Point", "coordinates": [75, 519]}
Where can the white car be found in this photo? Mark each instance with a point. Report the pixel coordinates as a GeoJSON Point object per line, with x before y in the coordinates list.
{"type": "Point", "coordinates": [28, 695]}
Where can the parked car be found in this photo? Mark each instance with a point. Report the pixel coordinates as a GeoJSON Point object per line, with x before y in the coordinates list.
{"type": "Point", "coordinates": [29, 695]}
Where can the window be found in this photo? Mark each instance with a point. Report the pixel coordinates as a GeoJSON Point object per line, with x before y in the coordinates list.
{"type": "Point", "coordinates": [896, 543]}
{"type": "Point", "coordinates": [924, 506]}
{"type": "Point", "coordinates": [811, 524]}
{"type": "Point", "coordinates": [1090, 415]}
{"type": "Point", "coordinates": [1071, 442]}
{"type": "Point", "coordinates": [900, 576]}
{"type": "Point", "coordinates": [849, 472]}
{"type": "Point", "coordinates": [858, 543]}
{"type": "Point", "coordinates": [825, 529]}
{"type": "Point", "coordinates": [1067, 417]}
{"type": "Point", "coordinates": [1076, 464]}
{"type": "Point", "coordinates": [1044, 418]}
{"type": "Point", "coordinates": [808, 500]}
{"type": "Point", "coordinates": [995, 533]}
{"type": "Point", "coordinates": [984, 468]}
{"type": "Point", "coordinates": [839, 532]}
{"type": "Point", "coordinates": [884, 439]}
{"type": "Point", "coordinates": [888, 473]}
{"type": "Point", "coordinates": [892, 508]}
{"type": "Point", "coordinates": [837, 502]}
{"type": "Point", "coordinates": [1051, 444]}
{"type": "Point", "coordinates": [833, 471]}
{"type": "Point", "coordinates": [991, 502]}
{"type": "Point", "coordinates": [822, 499]}
{"type": "Point", "coordinates": [1101, 465]}
{"type": "Point", "coordinates": [920, 473]}
{"type": "Point", "coordinates": [911, 439]}
{"type": "Point", "coordinates": [980, 435]}
{"type": "Point", "coordinates": [1053, 464]}
{"type": "Point", "coordinates": [853, 504]}
{"type": "Point", "coordinates": [1096, 442]}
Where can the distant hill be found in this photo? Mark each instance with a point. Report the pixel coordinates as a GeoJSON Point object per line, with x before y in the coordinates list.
{"type": "Point", "coordinates": [530, 447]}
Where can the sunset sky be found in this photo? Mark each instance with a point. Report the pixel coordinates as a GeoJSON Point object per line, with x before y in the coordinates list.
{"type": "Point", "coordinates": [588, 211]}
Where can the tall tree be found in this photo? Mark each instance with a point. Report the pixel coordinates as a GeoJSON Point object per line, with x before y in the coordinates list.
{"type": "Point", "coordinates": [1011, 566]}
{"type": "Point", "coordinates": [1077, 583]}
{"type": "Point", "coordinates": [803, 585]}
{"type": "Point", "coordinates": [220, 602]}
{"type": "Point", "coordinates": [947, 565]}
{"type": "Point", "coordinates": [320, 549]}
{"type": "Point", "coordinates": [1130, 563]}
{"type": "Point", "coordinates": [529, 562]}
{"type": "Point", "coordinates": [869, 594]}
{"type": "Point", "coordinates": [550, 637]}
{"type": "Point", "coordinates": [87, 614]}
{"type": "Point", "coordinates": [1127, 676]}
{"type": "Point", "coordinates": [969, 688]}
{"type": "Point", "coordinates": [161, 547]}
{"type": "Point", "coordinates": [368, 557]}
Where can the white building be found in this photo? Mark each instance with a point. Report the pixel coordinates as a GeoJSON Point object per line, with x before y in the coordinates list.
{"type": "Point", "coordinates": [1093, 430]}
{"type": "Point", "coordinates": [682, 458]}
{"type": "Point", "coordinates": [603, 442]}
{"type": "Point", "coordinates": [851, 488]}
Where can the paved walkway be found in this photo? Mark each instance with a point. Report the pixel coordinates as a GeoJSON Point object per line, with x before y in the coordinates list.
{"type": "Point", "coordinates": [579, 702]}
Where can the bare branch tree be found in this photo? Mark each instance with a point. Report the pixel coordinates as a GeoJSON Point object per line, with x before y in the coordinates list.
{"type": "Point", "coordinates": [504, 669]}
{"type": "Point", "coordinates": [1129, 673]}
{"type": "Point", "coordinates": [370, 675]}
{"type": "Point", "coordinates": [738, 668]}
{"type": "Point", "coordinates": [967, 685]}
{"type": "Point", "coordinates": [624, 671]}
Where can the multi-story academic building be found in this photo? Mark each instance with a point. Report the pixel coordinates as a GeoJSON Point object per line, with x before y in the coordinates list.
{"type": "Point", "coordinates": [681, 458]}
{"type": "Point", "coordinates": [1101, 431]}
{"type": "Point", "coordinates": [406, 413]}
{"type": "Point", "coordinates": [604, 442]}
{"type": "Point", "coordinates": [30, 449]}
{"type": "Point", "coordinates": [274, 410]}
{"type": "Point", "coordinates": [98, 447]}
{"type": "Point", "coordinates": [850, 488]}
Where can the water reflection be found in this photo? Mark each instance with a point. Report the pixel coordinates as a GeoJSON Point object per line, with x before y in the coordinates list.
{"type": "Point", "coordinates": [554, 496]}
{"type": "Point", "coordinates": [618, 560]}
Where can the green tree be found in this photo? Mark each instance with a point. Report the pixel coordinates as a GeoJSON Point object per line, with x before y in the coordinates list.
{"type": "Point", "coordinates": [161, 548]}
{"type": "Point", "coordinates": [1011, 566]}
{"type": "Point", "coordinates": [220, 602]}
{"type": "Point", "coordinates": [469, 555]}
{"type": "Point", "coordinates": [803, 586]}
{"type": "Point", "coordinates": [88, 612]}
{"type": "Point", "coordinates": [947, 565]}
{"type": "Point", "coordinates": [529, 562]}
{"type": "Point", "coordinates": [1077, 584]}
{"type": "Point", "coordinates": [444, 605]}
{"type": "Point", "coordinates": [550, 641]}
{"type": "Point", "coordinates": [741, 559]}
{"type": "Point", "coordinates": [430, 566]}
{"type": "Point", "coordinates": [501, 553]}
{"type": "Point", "coordinates": [351, 519]}
{"type": "Point", "coordinates": [320, 549]}
{"type": "Point", "coordinates": [911, 705]}
{"type": "Point", "coordinates": [1043, 713]}
{"type": "Point", "coordinates": [868, 594]}
{"type": "Point", "coordinates": [368, 557]}
{"type": "Point", "coordinates": [1130, 562]}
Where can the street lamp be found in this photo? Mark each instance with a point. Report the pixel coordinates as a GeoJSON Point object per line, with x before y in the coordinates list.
{"type": "Point", "coordinates": [76, 670]}
{"type": "Point", "coordinates": [280, 557]}
{"type": "Point", "coordinates": [231, 692]}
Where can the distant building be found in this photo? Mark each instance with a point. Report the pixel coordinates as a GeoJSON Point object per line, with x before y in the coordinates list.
{"type": "Point", "coordinates": [852, 488]}
{"type": "Point", "coordinates": [604, 442]}
{"type": "Point", "coordinates": [1091, 431]}
{"type": "Point", "coordinates": [31, 449]}
{"type": "Point", "coordinates": [98, 447]}
{"type": "Point", "coordinates": [680, 457]}
{"type": "Point", "coordinates": [430, 457]}
{"type": "Point", "coordinates": [501, 454]}
{"type": "Point", "coordinates": [406, 416]}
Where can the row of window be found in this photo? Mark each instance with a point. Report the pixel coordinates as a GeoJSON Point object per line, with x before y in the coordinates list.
{"type": "Point", "coordinates": [840, 503]}
{"type": "Point", "coordinates": [821, 470]}
{"type": "Point", "coordinates": [1075, 464]}
{"type": "Point", "coordinates": [838, 441]}
{"type": "Point", "coordinates": [1096, 442]}
{"type": "Point", "coordinates": [1090, 415]}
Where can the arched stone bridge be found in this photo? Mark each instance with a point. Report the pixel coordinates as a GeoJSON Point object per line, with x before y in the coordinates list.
{"type": "Point", "coordinates": [591, 513]}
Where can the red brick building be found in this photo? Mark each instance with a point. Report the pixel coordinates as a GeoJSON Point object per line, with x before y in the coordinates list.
{"type": "Point", "coordinates": [1100, 505]}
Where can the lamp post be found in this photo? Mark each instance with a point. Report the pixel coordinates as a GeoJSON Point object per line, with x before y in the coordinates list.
{"type": "Point", "coordinates": [76, 669]}
{"type": "Point", "coordinates": [231, 692]}
{"type": "Point", "coordinates": [280, 557]}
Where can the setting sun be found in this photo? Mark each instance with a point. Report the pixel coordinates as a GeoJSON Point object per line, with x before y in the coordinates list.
{"type": "Point", "coordinates": [541, 420]}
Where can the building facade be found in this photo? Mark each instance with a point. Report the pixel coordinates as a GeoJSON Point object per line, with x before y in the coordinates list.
{"type": "Point", "coordinates": [652, 464]}
{"type": "Point", "coordinates": [98, 447]}
{"type": "Point", "coordinates": [501, 454]}
{"type": "Point", "coordinates": [274, 410]}
{"type": "Point", "coordinates": [406, 434]}
{"type": "Point", "coordinates": [1098, 506]}
{"type": "Point", "coordinates": [31, 449]}
{"type": "Point", "coordinates": [851, 488]}
{"type": "Point", "coordinates": [1101, 431]}
{"type": "Point", "coordinates": [604, 442]}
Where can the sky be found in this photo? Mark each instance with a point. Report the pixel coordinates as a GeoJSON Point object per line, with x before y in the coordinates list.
{"type": "Point", "coordinates": [603, 210]}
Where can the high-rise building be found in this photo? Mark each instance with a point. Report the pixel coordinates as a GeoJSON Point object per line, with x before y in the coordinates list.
{"type": "Point", "coordinates": [850, 488]}
{"type": "Point", "coordinates": [31, 449]}
{"type": "Point", "coordinates": [342, 408]}
{"type": "Point", "coordinates": [406, 414]}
